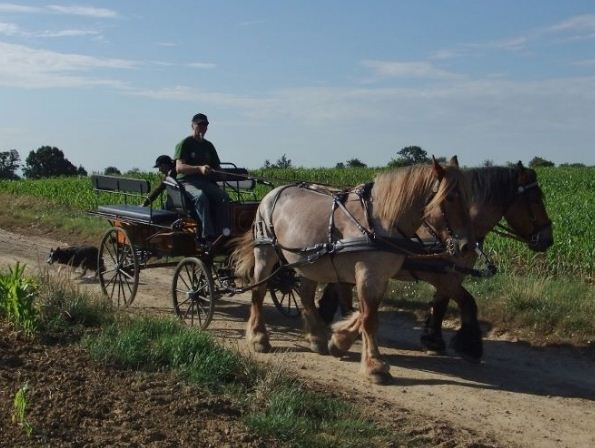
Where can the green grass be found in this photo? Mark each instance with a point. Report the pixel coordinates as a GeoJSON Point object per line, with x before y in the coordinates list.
{"type": "Point", "coordinates": [541, 309]}
{"type": "Point", "coordinates": [156, 344]}
{"type": "Point", "coordinates": [305, 419]}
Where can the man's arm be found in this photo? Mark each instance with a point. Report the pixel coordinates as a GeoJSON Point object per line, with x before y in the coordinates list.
{"type": "Point", "coordinates": [184, 168]}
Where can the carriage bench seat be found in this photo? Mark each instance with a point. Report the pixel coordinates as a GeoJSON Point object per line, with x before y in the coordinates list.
{"type": "Point", "coordinates": [136, 212]}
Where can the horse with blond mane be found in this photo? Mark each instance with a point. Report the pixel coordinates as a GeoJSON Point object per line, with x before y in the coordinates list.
{"type": "Point", "coordinates": [360, 236]}
{"type": "Point", "coordinates": [512, 193]}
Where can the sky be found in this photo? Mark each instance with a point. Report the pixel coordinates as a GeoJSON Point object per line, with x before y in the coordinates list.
{"type": "Point", "coordinates": [116, 83]}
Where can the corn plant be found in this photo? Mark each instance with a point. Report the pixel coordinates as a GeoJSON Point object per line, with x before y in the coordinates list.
{"type": "Point", "coordinates": [19, 410]}
{"type": "Point", "coordinates": [17, 296]}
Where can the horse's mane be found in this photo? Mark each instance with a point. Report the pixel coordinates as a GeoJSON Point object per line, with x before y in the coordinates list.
{"type": "Point", "coordinates": [396, 191]}
{"type": "Point", "coordinates": [495, 185]}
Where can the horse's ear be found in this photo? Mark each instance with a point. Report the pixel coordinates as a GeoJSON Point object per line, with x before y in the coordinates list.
{"type": "Point", "coordinates": [438, 170]}
{"type": "Point", "coordinates": [454, 161]}
{"type": "Point", "coordinates": [523, 177]}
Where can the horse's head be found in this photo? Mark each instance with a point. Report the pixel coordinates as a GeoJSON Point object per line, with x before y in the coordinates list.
{"type": "Point", "coordinates": [527, 215]}
{"type": "Point", "coordinates": [447, 211]}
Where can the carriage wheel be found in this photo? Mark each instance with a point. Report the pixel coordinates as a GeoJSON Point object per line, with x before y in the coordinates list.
{"type": "Point", "coordinates": [284, 290]}
{"type": "Point", "coordinates": [192, 292]}
{"type": "Point", "coordinates": [118, 267]}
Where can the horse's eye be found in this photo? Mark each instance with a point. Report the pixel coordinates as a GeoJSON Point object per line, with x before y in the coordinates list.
{"type": "Point", "coordinates": [451, 197]}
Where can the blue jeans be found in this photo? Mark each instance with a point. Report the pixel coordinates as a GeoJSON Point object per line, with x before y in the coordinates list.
{"type": "Point", "coordinates": [209, 201]}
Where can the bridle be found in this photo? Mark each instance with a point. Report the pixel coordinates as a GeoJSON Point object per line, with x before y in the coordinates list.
{"type": "Point", "coordinates": [450, 242]}
{"type": "Point", "coordinates": [534, 237]}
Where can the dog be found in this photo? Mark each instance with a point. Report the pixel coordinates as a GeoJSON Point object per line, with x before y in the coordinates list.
{"type": "Point", "coordinates": [83, 257]}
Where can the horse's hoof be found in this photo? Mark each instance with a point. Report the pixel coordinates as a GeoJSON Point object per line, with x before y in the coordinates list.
{"type": "Point", "coordinates": [380, 378]}
{"type": "Point", "coordinates": [467, 343]}
{"type": "Point", "coordinates": [433, 344]}
{"type": "Point", "coordinates": [335, 351]}
{"type": "Point", "coordinates": [319, 347]}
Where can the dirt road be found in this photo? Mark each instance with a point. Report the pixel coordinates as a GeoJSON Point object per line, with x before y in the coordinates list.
{"type": "Point", "coordinates": [519, 395]}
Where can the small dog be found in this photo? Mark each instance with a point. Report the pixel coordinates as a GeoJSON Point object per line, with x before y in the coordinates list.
{"type": "Point", "coordinates": [83, 257]}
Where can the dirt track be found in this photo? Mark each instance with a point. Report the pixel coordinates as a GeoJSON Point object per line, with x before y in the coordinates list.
{"type": "Point", "coordinates": [519, 395]}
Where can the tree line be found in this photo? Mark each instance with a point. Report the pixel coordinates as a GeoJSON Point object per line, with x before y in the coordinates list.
{"type": "Point", "coordinates": [410, 155]}
{"type": "Point", "coordinates": [49, 161]}
{"type": "Point", "coordinates": [46, 161]}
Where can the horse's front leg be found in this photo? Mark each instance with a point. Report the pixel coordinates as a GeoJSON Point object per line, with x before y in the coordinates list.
{"type": "Point", "coordinates": [314, 326]}
{"type": "Point", "coordinates": [370, 291]}
{"type": "Point", "coordinates": [467, 340]}
{"type": "Point", "coordinates": [256, 332]}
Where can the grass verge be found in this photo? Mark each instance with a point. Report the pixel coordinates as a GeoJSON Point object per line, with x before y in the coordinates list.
{"type": "Point", "coordinates": [543, 310]}
{"type": "Point", "coordinates": [36, 216]}
{"type": "Point", "coordinates": [273, 403]}
{"type": "Point", "coordinates": [276, 405]}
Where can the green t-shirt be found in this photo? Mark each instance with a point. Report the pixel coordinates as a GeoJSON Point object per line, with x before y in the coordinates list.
{"type": "Point", "coordinates": [195, 152]}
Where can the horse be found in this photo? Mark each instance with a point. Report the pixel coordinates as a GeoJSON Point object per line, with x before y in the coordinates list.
{"type": "Point", "coordinates": [512, 193]}
{"type": "Point", "coordinates": [361, 245]}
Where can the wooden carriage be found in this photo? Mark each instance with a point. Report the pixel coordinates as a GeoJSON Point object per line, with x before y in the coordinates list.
{"type": "Point", "coordinates": [141, 238]}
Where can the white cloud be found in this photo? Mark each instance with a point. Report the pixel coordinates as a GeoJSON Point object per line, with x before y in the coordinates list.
{"type": "Point", "coordinates": [167, 44]}
{"type": "Point", "coordinates": [67, 33]}
{"type": "Point", "coordinates": [581, 23]}
{"type": "Point", "coordinates": [13, 8]}
{"type": "Point", "coordinates": [9, 29]}
{"type": "Point", "coordinates": [423, 69]}
{"type": "Point", "coordinates": [202, 65]}
{"type": "Point", "coordinates": [86, 11]}
{"type": "Point", "coordinates": [27, 67]}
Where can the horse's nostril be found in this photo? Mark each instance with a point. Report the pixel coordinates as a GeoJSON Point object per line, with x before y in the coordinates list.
{"type": "Point", "coordinates": [464, 247]}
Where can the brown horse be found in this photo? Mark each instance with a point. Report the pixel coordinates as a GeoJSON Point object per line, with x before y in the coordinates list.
{"type": "Point", "coordinates": [511, 193]}
{"type": "Point", "coordinates": [296, 217]}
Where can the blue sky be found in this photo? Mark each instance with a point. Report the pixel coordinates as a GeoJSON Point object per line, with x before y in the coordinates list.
{"type": "Point", "coordinates": [117, 82]}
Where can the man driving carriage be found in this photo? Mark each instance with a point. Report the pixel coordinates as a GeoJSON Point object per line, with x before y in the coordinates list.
{"type": "Point", "coordinates": [195, 159]}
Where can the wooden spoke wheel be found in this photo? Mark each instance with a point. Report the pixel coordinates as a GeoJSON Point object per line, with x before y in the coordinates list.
{"type": "Point", "coordinates": [118, 267]}
{"type": "Point", "coordinates": [192, 292]}
{"type": "Point", "coordinates": [284, 290]}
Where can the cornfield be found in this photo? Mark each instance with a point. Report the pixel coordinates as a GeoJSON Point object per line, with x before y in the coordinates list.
{"type": "Point", "coordinates": [569, 194]}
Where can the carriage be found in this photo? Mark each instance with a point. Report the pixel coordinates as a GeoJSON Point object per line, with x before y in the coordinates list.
{"type": "Point", "coordinates": [142, 238]}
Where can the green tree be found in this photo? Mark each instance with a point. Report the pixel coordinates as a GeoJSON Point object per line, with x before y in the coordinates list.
{"type": "Point", "coordinates": [80, 171]}
{"type": "Point", "coordinates": [410, 155]}
{"type": "Point", "coordinates": [539, 161]}
{"type": "Point", "coordinates": [112, 171]}
{"type": "Point", "coordinates": [355, 163]}
{"type": "Point", "coordinates": [340, 165]}
{"type": "Point", "coordinates": [283, 162]}
{"type": "Point", "coordinates": [9, 163]}
{"type": "Point", "coordinates": [48, 161]}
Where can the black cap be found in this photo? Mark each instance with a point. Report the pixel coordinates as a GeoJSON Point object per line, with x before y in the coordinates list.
{"type": "Point", "coordinates": [200, 118]}
{"type": "Point", "coordinates": [167, 160]}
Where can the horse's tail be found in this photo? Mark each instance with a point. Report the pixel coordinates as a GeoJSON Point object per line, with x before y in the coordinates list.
{"type": "Point", "coordinates": [242, 258]}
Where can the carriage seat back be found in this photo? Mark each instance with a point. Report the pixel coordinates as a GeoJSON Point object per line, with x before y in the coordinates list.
{"type": "Point", "coordinates": [121, 184]}
{"type": "Point", "coordinates": [177, 194]}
